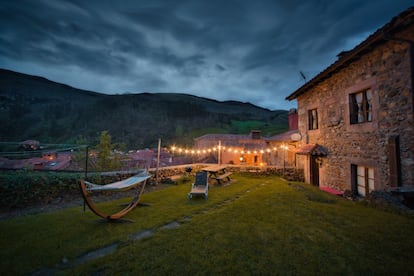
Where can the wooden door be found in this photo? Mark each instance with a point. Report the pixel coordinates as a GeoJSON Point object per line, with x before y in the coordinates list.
{"type": "Point", "coordinates": [314, 170]}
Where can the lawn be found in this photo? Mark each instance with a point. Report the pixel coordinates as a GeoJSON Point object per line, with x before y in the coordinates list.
{"type": "Point", "coordinates": [255, 225]}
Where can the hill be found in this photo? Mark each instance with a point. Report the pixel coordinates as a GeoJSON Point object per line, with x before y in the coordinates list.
{"type": "Point", "coordinates": [36, 108]}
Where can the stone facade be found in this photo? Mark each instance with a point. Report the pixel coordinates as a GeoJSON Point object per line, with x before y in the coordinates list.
{"type": "Point", "coordinates": [385, 66]}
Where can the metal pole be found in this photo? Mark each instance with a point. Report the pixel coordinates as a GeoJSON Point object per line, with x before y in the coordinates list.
{"type": "Point", "coordinates": [284, 162]}
{"type": "Point", "coordinates": [86, 162]}
{"type": "Point", "coordinates": [219, 153]}
{"type": "Point", "coordinates": [158, 157]}
{"type": "Point", "coordinates": [86, 172]}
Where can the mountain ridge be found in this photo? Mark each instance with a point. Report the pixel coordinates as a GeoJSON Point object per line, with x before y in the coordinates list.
{"type": "Point", "coordinates": [33, 107]}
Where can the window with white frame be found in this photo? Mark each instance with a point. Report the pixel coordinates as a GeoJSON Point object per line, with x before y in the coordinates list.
{"type": "Point", "coordinates": [313, 119]}
{"type": "Point", "coordinates": [363, 179]}
{"type": "Point", "coordinates": [360, 107]}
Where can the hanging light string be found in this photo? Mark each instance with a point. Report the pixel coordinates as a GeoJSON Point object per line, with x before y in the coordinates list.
{"type": "Point", "coordinates": [235, 149]}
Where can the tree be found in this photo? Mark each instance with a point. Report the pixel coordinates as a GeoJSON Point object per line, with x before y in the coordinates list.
{"type": "Point", "coordinates": [79, 155]}
{"type": "Point", "coordinates": [106, 159]}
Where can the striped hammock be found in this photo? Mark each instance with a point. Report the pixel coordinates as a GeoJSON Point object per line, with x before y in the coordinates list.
{"type": "Point", "coordinates": [122, 185]}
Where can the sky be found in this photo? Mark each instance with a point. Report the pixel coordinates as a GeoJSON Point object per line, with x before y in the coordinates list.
{"type": "Point", "coordinates": [244, 50]}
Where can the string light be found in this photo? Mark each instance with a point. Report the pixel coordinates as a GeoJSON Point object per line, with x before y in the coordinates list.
{"type": "Point", "coordinates": [236, 150]}
{"type": "Point", "coordinates": [284, 147]}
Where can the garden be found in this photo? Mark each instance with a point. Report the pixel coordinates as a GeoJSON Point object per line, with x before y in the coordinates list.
{"type": "Point", "coordinates": [253, 225]}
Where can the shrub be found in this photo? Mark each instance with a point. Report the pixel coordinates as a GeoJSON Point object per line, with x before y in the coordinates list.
{"type": "Point", "coordinates": [24, 188]}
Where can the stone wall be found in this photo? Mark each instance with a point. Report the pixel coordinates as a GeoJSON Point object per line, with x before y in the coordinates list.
{"type": "Point", "coordinates": [386, 70]}
{"type": "Point", "coordinates": [168, 174]}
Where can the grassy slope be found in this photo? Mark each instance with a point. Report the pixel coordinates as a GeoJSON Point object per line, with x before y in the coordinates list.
{"type": "Point", "coordinates": [244, 127]}
{"type": "Point", "coordinates": [241, 127]}
{"type": "Point", "coordinates": [253, 226]}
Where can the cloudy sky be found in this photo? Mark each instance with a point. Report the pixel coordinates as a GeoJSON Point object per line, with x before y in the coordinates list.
{"type": "Point", "coordinates": [244, 50]}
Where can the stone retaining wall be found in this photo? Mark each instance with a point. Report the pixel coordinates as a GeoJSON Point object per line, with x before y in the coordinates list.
{"type": "Point", "coordinates": [166, 174]}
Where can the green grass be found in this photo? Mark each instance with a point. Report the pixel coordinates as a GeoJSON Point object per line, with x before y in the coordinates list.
{"type": "Point", "coordinates": [244, 127]}
{"type": "Point", "coordinates": [203, 131]}
{"type": "Point", "coordinates": [234, 127]}
{"type": "Point", "coordinates": [256, 225]}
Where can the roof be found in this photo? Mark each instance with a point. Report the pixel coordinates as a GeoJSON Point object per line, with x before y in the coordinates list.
{"type": "Point", "coordinates": [312, 149]}
{"type": "Point", "coordinates": [222, 136]}
{"type": "Point", "coordinates": [252, 137]}
{"type": "Point", "coordinates": [283, 137]}
{"type": "Point", "coordinates": [380, 36]}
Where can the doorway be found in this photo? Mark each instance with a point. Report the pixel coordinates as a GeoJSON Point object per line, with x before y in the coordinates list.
{"type": "Point", "coordinates": [314, 170]}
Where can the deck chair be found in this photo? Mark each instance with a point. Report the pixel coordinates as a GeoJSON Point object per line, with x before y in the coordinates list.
{"type": "Point", "coordinates": [137, 181]}
{"type": "Point", "coordinates": [200, 186]}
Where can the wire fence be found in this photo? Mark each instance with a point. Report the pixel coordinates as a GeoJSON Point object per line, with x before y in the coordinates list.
{"type": "Point", "coordinates": [16, 150]}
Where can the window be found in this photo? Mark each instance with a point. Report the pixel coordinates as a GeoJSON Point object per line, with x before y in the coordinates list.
{"type": "Point", "coordinates": [313, 119]}
{"type": "Point", "coordinates": [360, 107]}
{"type": "Point", "coordinates": [363, 178]}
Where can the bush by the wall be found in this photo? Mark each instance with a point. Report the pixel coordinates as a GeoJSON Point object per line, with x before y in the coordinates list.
{"type": "Point", "coordinates": [20, 189]}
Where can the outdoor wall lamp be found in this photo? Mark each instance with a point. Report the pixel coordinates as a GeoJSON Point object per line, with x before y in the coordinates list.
{"type": "Point", "coordinates": [319, 161]}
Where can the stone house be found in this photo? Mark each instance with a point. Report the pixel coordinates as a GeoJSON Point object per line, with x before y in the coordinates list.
{"type": "Point", "coordinates": [252, 149]}
{"type": "Point", "coordinates": [238, 149]}
{"type": "Point", "coordinates": [285, 144]}
{"type": "Point", "coordinates": [30, 145]}
{"type": "Point", "coordinates": [356, 116]}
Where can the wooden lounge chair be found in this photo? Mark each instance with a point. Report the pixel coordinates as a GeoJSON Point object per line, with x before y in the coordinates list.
{"type": "Point", "coordinates": [200, 186]}
{"type": "Point", "coordinates": [138, 181]}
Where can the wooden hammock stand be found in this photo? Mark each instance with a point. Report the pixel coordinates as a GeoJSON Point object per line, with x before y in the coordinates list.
{"type": "Point", "coordinates": [138, 181]}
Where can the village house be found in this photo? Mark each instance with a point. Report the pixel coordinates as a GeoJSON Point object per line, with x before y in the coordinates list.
{"type": "Point", "coordinates": [30, 145]}
{"type": "Point", "coordinates": [252, 149]}
{"type": "Point", "coordinates": [51, 161]}
{"type": "Point", "coordinates": [235, 149]}
{"type": "Point", "coordinates": [285, 144]}
{"type": "Point", "coordinates": [356, 117]}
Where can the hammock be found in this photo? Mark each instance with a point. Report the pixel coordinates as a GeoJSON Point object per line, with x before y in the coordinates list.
{"type": "Point", "coordinates": [122, 185]}
{"type": "Point", "coordinates": [133, 182]}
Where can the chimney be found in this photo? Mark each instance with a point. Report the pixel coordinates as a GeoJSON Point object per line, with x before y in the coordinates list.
{"type": "Point", "coordinates": [256, 134]}
{"type": "Point", "coordinates": [293, 119]}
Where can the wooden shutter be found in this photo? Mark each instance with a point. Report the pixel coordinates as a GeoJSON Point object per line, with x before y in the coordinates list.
{"type": "Point", "coordinates": [394, 160]}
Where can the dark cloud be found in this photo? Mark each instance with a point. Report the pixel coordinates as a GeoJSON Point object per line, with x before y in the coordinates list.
{"type": "Point", "coordinates": [220, 68]}
{"type": "Point", "coordinates": [235, 49]}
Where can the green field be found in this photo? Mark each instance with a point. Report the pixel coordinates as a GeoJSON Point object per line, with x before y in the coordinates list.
{"type": "Point", "coordinates": [255, 225]}
{"type": "Point", "coordinates": [244, 127]}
